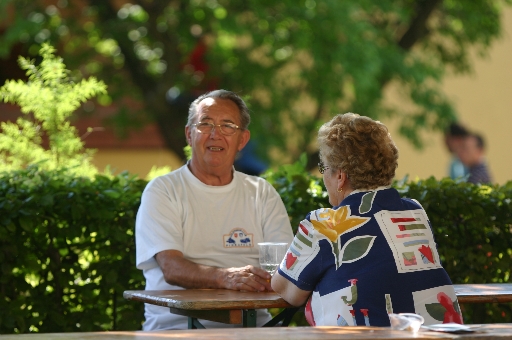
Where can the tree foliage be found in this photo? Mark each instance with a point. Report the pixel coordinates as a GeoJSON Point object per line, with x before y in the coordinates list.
{"type": "Point", "coordinates": [47, 101]}
{"type": "Point", "coordinates": [298, 61]}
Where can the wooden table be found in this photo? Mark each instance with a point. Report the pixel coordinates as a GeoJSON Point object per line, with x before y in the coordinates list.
{"type": "Point", "coordinates": [487, 332]}
{"type": "Point", "coordinates": [221, 305]}
{"type": "Point", "coordinates": [484, 292]}
{"type": "Point", "coordinates": [235, 307]}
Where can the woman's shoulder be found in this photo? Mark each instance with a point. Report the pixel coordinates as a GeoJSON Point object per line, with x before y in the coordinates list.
{"type": "Point", "coordinates": [373, 201]}
{"type": "Point", "coordinates": [412, 203]}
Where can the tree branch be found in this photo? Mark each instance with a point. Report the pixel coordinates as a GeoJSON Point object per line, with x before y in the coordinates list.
{"type": "Point", "coordinates": [418, 27]}
{"type": "Point", "coordinates": [170, 120]}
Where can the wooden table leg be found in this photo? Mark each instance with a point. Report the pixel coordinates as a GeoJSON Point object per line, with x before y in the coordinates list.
{"type": "Point", "coordinates": [285, 315]}
{"type": "Point", "coordinates": [249, 318]}
{"type": "Point", "coordinates": [193, 323]}
{"type": "Point", "coordinates": [229, 316]}
{"type": "Point", "coordinates": [246, 317]}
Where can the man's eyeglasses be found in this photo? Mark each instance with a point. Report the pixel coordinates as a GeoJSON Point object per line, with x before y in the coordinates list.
{"type": "Point", "coordinates": [322, 167]}
{"type": "Point", "coordinates": [226, 129]}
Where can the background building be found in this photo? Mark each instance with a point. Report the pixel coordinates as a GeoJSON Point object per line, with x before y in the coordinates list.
{"type": "Point", "coordinates": [484, 103]}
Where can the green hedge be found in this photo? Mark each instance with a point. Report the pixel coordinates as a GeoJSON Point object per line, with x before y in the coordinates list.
{"type": "Point", "coordinates": [67, 244]}
{"type": "Point", "coordinates": [473, 229]}
{"type": "Point", "coordinates": [67, 252]}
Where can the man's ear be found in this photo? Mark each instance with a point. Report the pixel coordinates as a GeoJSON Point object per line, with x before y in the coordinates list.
{"type": "Point", "coordinates": [188, 135]}
{"type": "Point", "coordinates": [244, 138]}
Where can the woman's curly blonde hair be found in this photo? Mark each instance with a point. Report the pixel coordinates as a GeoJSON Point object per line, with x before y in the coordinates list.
{"type": "Point", "coordinates": [360, 147]}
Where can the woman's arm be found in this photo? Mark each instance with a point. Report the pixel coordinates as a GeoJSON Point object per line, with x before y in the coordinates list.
{"type": "Point", "coordinates": [288, 291]}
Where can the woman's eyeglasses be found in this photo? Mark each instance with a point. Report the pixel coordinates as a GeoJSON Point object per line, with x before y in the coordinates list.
{"type": "Point", "coordinates": [322, 167]}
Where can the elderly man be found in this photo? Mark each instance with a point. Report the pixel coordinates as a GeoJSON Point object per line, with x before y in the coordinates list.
{"type": "Point", "coordinates": [198, 226]}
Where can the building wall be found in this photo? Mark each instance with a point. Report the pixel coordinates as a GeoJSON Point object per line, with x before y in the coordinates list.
{"type": "Point", "coordinates": [136, 161]}
{"type": "Point", "coordinates": [484, 103]}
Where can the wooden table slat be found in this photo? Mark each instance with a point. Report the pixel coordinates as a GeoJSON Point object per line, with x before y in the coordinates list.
{"type": "Point", "coordinates": [207, 299]}
{"type": "Point", "coordinates": [484, 293]}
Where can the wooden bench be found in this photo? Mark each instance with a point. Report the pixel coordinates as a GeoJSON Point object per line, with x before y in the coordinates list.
{"type": "Point", "coordinates": [486, 332]}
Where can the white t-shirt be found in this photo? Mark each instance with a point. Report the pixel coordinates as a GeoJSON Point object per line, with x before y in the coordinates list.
{"type": "Point", "coordinates": [211, 225]}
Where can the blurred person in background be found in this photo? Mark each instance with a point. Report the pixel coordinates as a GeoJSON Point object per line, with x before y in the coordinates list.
{"type": "Point", "coordinates": [248, 162]}
{"type": "Point", "coordinates": [472, 155]}
{"type": "Point", "coordinates": [454, 139]}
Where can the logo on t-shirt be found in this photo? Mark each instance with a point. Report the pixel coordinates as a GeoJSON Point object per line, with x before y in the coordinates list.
{"type": "Point", "coordinates": [238, 237]}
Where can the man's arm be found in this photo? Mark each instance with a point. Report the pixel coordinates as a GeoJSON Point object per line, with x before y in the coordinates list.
{"type": "Point", "coordinates": [288, 291]}
{"type": "Point", "coordinates": [181, 272]}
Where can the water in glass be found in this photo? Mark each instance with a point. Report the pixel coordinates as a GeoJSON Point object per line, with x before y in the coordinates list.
{"type": "Point", "coordinates": [271, 255]}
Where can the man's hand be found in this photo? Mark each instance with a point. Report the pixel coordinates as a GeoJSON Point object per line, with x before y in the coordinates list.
{"type": "Point", "coordinates": [248, 278]}
{"type": "Point", "coordinates": [184, 273]}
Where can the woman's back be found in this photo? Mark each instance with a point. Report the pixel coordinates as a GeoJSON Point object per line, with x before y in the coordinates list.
{"type": "Point", "coordinates": [373, 255]}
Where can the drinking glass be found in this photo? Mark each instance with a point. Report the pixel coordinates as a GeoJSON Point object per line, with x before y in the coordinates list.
{"type": "Point", "coordinates": [406, 321]}
{"type": "Point", "coordinates": [271, 255]}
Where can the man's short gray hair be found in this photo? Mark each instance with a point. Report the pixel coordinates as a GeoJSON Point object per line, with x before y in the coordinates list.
{"type": "Point", "coordinates": [245, 117]}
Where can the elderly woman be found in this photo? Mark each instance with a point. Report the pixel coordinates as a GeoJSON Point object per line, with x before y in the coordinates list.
{"type": "Point", "coordinates": [373, 253]}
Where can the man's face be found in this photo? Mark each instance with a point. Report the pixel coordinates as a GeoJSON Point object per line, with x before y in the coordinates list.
{"type": "Point", "coordinates": [215, 150]}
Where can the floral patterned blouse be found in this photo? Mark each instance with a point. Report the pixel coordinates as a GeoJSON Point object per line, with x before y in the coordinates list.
{"type": "Point", "coordinates": [373, 255]}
